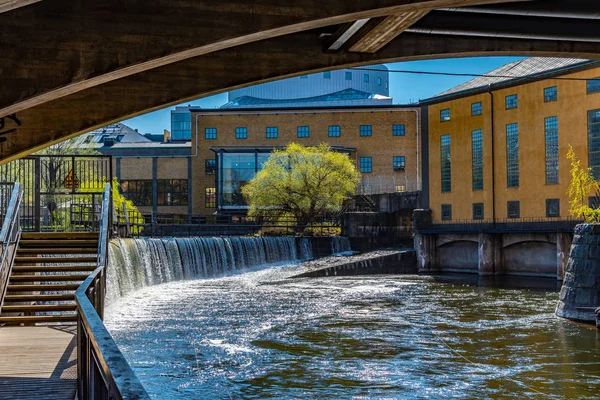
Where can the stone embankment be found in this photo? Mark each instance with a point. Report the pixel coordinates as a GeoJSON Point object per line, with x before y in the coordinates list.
{"type": "Point", "coordinates": [580, 293]}
{"type": "Point", "coordinates": [396, 261]}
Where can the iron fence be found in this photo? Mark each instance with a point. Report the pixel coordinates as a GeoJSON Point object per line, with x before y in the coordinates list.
{"type": "Point", "coordinates": [507, 225]}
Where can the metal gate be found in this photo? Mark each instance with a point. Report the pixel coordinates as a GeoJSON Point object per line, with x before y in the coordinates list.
{"type": "Point", "coordinates": [60, 193]}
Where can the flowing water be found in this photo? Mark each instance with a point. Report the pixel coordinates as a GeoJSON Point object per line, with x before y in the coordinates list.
{"type": "Point", "coordinates": [255, 335]}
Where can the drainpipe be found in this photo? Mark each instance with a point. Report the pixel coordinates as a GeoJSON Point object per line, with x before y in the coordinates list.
{"type": "Point", "coordinates": [493, 167]}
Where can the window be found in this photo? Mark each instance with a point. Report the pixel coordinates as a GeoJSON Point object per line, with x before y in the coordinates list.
{"type": "Point", "coordinates": [210, 198]}
{"type": "Point", "coordinates": [445, 115]}
{"type": "Point", "coordinates": [272, 132]}
{"type": "Point", "coordinates": [398, 130]}
{"type": "Point", "coordinates": [172, 192]}
{"type": "Point", "coordinates": [552, 207]}
{"type": "Point", "coordinates": [378, 81]}
{"type": "Point", "coordinates": [241, 133]}
{"type": "Point", "coordinates": [512, 155]}
{"type": "Point", "coordinates": [477, 210]}
{"type": "Point", "coordinates": [334, 131]}
{"type": "Point", "coordinates": [366, 130]}
{"type": "Point", "coordinates": [398, 163]}
{"type": "Point", "coordinates": [139, 191]}
{"type": "Point", "coordinates": [512, 101]}
{"type": "Point", "coordinates": [477, 159]}
{"type": "Point", "coordinates": [513, 209]}
{"type": "Point", "coordinates": [446, 212]}
{"type": "Point", "coordinates": [593, 85]}
{"type": "Point", "coordinates": [210, 167]}
{"type": "Point", "coordinates": [594, 142]}
{"type": "Point", "coordinates": [366, 77]}
{"type": "Point", "coordinates": [366, 164]}
{"type": "Point", "coordinates": [476, 109]}
{"type": "Point", "coordinates": [551, 128]}
{"type": "Point", "coordinates": [210, 133]}
{"type": "Point", "coordinates": [304, 77]}
{"type": "Point", "coordinates": [400, 188]}
{"type": "Point", "coordinates": [303, 131]}
{"type": "Point", "coordinates": [348, 75]}
{"type": "Point", "coordinates": [445, 163]}
{"type": "Point", "coordinates": [181, 126]}
{"type": "Point", "coordinates": [327, 75]}
{"type": "Point", "coordinates": [594, 202]}
{"type": "Point", "coordinates": [550, 94]}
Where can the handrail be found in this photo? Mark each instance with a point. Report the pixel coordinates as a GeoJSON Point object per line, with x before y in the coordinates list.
{"type": "Point", "coordinates": [102, 370]}
{"type": "Point", "coordinates": [9, 237]}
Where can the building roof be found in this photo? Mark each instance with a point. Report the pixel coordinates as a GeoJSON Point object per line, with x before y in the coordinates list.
{"type": "Point", "coordinates": [515, 72]}
{"type": "Point", "coordinates": [342, 95]}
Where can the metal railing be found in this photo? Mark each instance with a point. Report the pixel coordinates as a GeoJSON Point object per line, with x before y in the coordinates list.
{"type": "Point", "coordinates": [102, 370]}
{"type": "Point", "coordinates": [9, 237]}
{"type": "Point", "coordinates": [506, 225]}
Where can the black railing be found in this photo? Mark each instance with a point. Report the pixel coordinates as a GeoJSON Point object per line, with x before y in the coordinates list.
{"type": "Point", "coordinates": [508, 225]}
{"type": "Point", "coordinates": [102, 370]}
{"type": "Point", "coordinates": [9, 237]}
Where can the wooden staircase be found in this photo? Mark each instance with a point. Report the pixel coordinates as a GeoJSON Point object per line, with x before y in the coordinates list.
{"type": "Point", "coordinates": [48, 268]}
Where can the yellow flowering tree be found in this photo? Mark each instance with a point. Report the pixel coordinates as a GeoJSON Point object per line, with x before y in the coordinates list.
{"type": "Point", "coordinates": [581, 186]}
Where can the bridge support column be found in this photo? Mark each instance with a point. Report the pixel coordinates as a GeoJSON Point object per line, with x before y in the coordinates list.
{"type": "Point", "coordinates": [486, 250]}
{"type": "Point", "coordinates": [425, 246]}
{"type": "Point", "coordinates": [563, 248]}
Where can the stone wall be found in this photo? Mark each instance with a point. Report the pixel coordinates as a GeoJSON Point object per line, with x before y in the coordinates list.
{"type": "Point", "coordinates": [580, 293]}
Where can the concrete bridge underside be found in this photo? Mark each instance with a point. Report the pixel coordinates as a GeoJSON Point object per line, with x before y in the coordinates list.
{"type": "Point", "coordinates": [70, 66]}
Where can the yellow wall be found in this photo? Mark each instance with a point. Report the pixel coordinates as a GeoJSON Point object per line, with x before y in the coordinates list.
{"type": "Point", "coordinates": [571, 108]}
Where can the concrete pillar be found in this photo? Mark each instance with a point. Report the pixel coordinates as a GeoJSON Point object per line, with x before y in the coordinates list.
{"type": "Point", "coordinates": [563, 247]}
{"type": "Point", "coordinates": [486, 251]}
{"type": "Point", "coordinates": [425, 246]}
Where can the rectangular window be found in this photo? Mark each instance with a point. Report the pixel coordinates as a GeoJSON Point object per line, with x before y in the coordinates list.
{"type": "Point", "coordinates": [348, 75]}
{"type": "Point", "coordinates": [139, 191]}
{"type": "Point", "coordinates": [304, 77]}
{"type": "Point", "coordinates": [303, 131]}
{"type": "Point", "coordinates": [366, 77]}
{"type": "Point", "coordinates": [476, 109]}
{"type": "Point", "coordinates": [327, 75]}
{"type": "Point", "coordinates": [477, 159]}
{"type": "Point", "coordinates": [210, 167]}
{"type": "Point", "coordinates": [210, 198]}
{"type": "Point", "coordinates": [550, 94]}
{"type": "Point", "coordinates": [445, 115]}
{"type": "Point", "coordinates": [551, 128]}
{"type": "Point", "coordinates": [552, 207]}
{"type": "Point", "coordinates": [398, 163]}
{"type": "Point", "coordinates": [400, 188]}
{"type": "Point", "coordinates": [477, 210]}
{"type": "Point", "coordinates": [593, 85]}
{"type": "Point", "coordinates": [512, 155]}
{"type": "Point", "coordinates": [210, 133]}
{"type": "Point", "coordinates": [513, 209]}
{"type": "Point", "coordinates": [594, 142]}
{"type": "Point", "coordinates": [398, 130]}
{"type": "Point", "coordinates": [366, 130]}
{"type": "Point", "coordinates": [446, 212]}
{"type": "Point", "coordinates": [172, 192]}
{"type": "Point", "coordinates": [334, 131]}
{"type": "Point", "coordinates": [379, 81]}
{"type": "Point", "coordinates": [272, 132]}
{"type": "Point", "coordinates": [366, 164]}
{"type": "Point", "coordinates": [241, 133]}
{"type": "Point", "coordinates": [446, 164]}
{"type": "Point", "coordinates": [512, 101]}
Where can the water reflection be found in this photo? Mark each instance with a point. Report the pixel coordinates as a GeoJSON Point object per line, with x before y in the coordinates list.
{"type": "Point", "coordinates": [259, 336]}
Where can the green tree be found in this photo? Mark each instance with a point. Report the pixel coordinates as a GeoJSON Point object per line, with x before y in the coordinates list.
{"type": "Point", "coordinates": [301, 182]}
{"type": "Point", "coordinates": [581, 185]}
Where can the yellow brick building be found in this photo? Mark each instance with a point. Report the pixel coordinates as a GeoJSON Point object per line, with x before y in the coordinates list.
{"type": "Point", "coordinates": [496, 146]}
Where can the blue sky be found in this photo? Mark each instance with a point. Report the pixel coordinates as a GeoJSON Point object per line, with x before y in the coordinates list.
{"type": "Point", "coordinates": [404, 88]}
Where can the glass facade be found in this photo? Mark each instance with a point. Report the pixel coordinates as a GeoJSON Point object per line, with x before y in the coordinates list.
{"type": "Point", "coordinates": [181, 126]}
{"type": "Point", "coordinates": [594, 142]}
{"type": "Point", "coordinates": [476, 109]}
{"type": "Point", "coordinates": [272, 132]}
{"type": "Point", "coordinates": [446, 164]}
{"type": "Point", "coordinates": [512, 155]}
{"type": "Point", "coordinates": [550, 94]}
{"type": "Point", "coordinates": [303, 131]}
{"type": "Point", "coordinates": [512, 101]}
{"type": "Point", "coordinates": [398, 130]}
{"type": "Point", "coordinates": [366, 164]}
{"type": "Point", "coordinates": [241, 133]}
{"type": "Point", "coordinates": [366, 130]}
{"type": "Point", "coordinates": [551, 128]}
{"type": "Point", "coordinates": [477, 159]}
{"type": "Point", "coordinates": [235, 171]}
{"type": "Point", "coordinates": [334, 131]}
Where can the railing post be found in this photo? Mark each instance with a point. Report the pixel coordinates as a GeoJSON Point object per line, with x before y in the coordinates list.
{"type": "Point", "coordinates": [37, 167]}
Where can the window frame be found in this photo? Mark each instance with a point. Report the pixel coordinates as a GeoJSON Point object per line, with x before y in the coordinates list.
{"type": "Point", "coordinates": [241, 132]}
{"type": "Point", "coordinates": [210, 133]}
{"type": "Point", "coordinates": [516, 205]}
{"type": "Point", "coordinates": [592, 85]}
{"type": "Point", "coordinates": [334, 131]}
{"type": "Point", "coordinates": [399, 163]}
{"type": "Point", "coordinates": [549, 206]}
{"type": "Point", "coordinates": [303, 131]}
{"type": "Point", "coordinates": [476, 109]}
{"type": "Point", "coordinates": [442, 113]}
{"type": "Point", "coordinates": [509, 103]}
{"type": "Point", "coordinates": [398, 130]}
{"type": "Point", "coordinates": [210, 197]}
{"type": "Point", "coordinates": [210, 166]}
{"type": "Point", "coordinates": [475, 207]}
{"type": "Point", "coordinates": [269, 132]}
{"type": "Point", "coordinates": [446, 212]}
{"type": "Point", "coordinates": [365, 130]}
{"type": "Point", "coordinates": [364, 164]}
{"type": "Point", "coordinates": [549, 99]}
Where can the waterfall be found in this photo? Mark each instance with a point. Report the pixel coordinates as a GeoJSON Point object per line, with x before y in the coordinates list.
{"type": "Point", "coordinates": [136, 263]}
{"type": "Point", "coordinates": [340, 244]}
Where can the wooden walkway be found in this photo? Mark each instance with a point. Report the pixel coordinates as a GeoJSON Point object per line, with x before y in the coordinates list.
{"type": "Point", "coordinates": [38, 362]}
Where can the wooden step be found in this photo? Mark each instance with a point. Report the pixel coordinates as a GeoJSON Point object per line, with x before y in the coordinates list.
{"type": "Point", "coordinates": [54, 260]}
{"type": "Point", "coordinates": [42, 278]}
{"type": "Point", "coordinates": [58, 242]}
{"type": "Point", "coordinates": [39, 308]}
{"type": "Point", "coordinates": [57, 250]}
{"type": "Point", "coordinates": [38, 318]}
{"type": "Point", "coordinates": [42, 288]}
{"type": "Point", "coordinates": [52, 268]}
{"type": "Point", "coordinates": [58, 235]}
{"type": "Point", "coordinates": [17, 298]}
